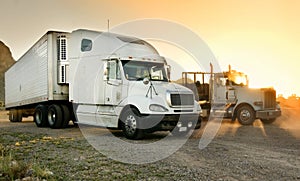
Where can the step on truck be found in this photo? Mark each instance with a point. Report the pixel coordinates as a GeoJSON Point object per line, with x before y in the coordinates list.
{"type": "Point", "coordinates": [226, 94]}
{"type": "Point", "coordinates": [100, 79]}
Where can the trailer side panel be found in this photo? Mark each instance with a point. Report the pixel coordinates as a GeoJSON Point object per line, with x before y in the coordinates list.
{"type": "Point", "coordinates": [26, 81]}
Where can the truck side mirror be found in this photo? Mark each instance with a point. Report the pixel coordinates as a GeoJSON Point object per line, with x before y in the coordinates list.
{"type": "Point", "coordinates": [112, 70]}
{"type": "Point", "coordinates": [169, 71]}
{"type": "Point", "coordinates": [105, 71]}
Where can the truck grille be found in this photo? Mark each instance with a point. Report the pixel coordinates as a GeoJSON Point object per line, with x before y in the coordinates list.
{"type": "Point", "coordinates": [269, 99]}
{"type": "Point", "coordinates": [182, 99]}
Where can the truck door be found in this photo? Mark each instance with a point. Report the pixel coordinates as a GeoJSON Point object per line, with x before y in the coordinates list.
{"type": "Point", "coordinates": [230, 95]}
{"type": "Point", "coordinates": [113, 89]}
{"type": "Point", "coordinates": [219, 91]}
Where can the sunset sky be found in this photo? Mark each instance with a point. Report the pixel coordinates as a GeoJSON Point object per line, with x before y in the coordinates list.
{"type": "Point", "coordinates": [258, 37]}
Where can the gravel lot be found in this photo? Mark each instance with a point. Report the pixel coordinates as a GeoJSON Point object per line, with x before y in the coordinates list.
{"type": "Point", "coordinates": [258, 152]}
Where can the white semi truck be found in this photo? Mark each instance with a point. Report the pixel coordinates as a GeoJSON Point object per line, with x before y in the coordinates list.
{"type": "Point", "coordinates": [227, 94]}
{"type": "Point", "coordinates": [100, 79]}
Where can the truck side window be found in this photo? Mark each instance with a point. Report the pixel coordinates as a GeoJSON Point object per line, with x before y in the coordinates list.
{"type": "Point", "coordinates": [86, 45]}
{"type": "Point", "coordinates": [113, 70]}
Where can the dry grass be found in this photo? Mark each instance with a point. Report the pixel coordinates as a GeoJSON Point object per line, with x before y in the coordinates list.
{"type": "Point", "coordinates": [12, 167]}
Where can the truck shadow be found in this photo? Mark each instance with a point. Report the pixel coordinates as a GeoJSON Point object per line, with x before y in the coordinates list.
{"type": "Point", "coordinates": [147, 136]}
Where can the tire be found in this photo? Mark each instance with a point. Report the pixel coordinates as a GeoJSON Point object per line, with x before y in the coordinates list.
{"type": "Point", "coordinates": [268, 121]}
{"type": "Point", "coordinates": [199, 122]}
{"type": "Point", "coordinates": [20, 115]}
{"type": "Point", "coordinates": [40, 116]}
{"type": "Point", "coordinates": [130, 122]}
{"type": "Point", "coordinates": [66, 116]}
{"type": "Point", "coordinates": [246, 115]}
{"type": "Point", "coordinates": [55, 116]}
{"type": "Point", "coordinates": [15, 116]}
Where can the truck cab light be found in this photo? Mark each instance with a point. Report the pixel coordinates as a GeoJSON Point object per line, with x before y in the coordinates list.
{"type": "Point", "coordinates": [157, 108]}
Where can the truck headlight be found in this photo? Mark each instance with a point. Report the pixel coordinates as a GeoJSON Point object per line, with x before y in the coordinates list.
{"type": "Point", "coordinates": [157, 108]}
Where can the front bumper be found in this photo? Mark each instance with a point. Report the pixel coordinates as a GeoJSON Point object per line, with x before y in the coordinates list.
{"type": "Point", "coordinates": [268, 114]}
{"type": "Point", "coordinates": [169, 121]}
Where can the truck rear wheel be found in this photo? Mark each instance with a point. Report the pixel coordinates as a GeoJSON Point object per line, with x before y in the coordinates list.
{"type": "Point", "coordinates": [246, 115]}
{"type": "Point", "coordinates": [55, 116]}
{"type": "Point", "coordinates": [40, 116]}
{"type": "Point", "coordinates": [15, 115]}
{"type": "Point", "coordinates": [66, 116]}
{"type": "Point", "coordinates": [130, 121]}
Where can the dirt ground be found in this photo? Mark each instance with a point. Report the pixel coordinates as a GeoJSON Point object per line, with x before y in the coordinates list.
{"type": "Point", "coordinates": [258, 152]}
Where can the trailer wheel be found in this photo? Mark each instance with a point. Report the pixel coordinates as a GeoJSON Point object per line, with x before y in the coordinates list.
{"type": "Point", "coordinates": [66, 116]}
{"type": "Point", "coordinates": [55, 116]}
{"type": "Point", "coordinates": [246, 115]}
{"type": "Point", "coordinates": [15, 115]}
{"type": "Point", "coordinates": [40, 116]}
{"type": "Point", "coordinates": [130, 121]}
{"type": "Point", "coordinates": [268, 121]}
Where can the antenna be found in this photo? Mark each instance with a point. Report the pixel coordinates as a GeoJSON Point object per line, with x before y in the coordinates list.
{"type": "Point", "coordinates": [107, 25]}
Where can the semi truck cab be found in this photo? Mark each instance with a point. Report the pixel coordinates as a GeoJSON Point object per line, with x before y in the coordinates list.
{"type": "Point", "coordinates": [227, 94]}
{"type": "Point", "coordinates": [130, 87]}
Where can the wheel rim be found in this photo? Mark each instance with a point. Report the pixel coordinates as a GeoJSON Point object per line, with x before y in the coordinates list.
{"type": "Point", "coordinates": [38, 117]}
{"type": "Point", "coordinates": [51, 117]}
{"type": "Point", "coordinates": [245, 115]}
{"type": "Point", "coordinates": [130, 124]}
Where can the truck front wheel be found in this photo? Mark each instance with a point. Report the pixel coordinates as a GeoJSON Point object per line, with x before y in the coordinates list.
{"type": "Point", "coordinates": [246, 115]}
{"type": "Point", "coordinates": [55, 116]}
{"type": "Point", "coordinates": [40, 116]}
{"type": "Point", "coordinates": [130, 122]}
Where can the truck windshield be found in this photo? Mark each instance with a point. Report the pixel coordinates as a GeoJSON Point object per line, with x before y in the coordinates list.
{"type": "Point", "coordinates": [136, 70]}
{"type": "Point", "coordinates": [239, 79]}
{"type": "Point", "coordinates": [236, 80]}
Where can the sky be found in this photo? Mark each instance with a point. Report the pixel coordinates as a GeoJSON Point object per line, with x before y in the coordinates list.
{"type": "Point", "coordinates": [258, 37]}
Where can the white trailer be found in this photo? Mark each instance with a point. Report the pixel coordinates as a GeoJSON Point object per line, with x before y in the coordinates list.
{"type": "Point", "coordinates": [100, 79]}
